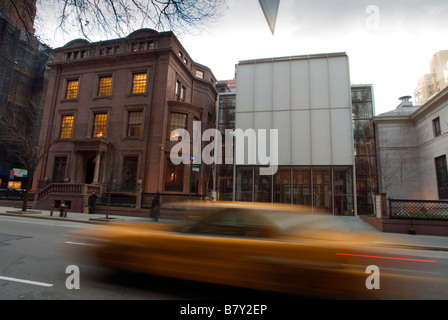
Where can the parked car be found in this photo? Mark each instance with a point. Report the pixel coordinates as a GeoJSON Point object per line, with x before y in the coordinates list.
{"type": "Point", "coordinates": [258, 246]}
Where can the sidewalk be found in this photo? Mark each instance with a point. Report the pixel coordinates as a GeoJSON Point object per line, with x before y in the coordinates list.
{"type": "Point", "coordinates": [349, 224]}
{"type": "Point", "coordinates": [71, 216]}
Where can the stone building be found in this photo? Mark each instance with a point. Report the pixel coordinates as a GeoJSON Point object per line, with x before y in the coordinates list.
{"type": "Point", "coordinates": [110, 110]}
{"type": "Point", "coordinates": [411, 146]}
{"type": "Point", "coordinates": [432, 83]}
{"type": "Point", "coordinates": [23, 83]}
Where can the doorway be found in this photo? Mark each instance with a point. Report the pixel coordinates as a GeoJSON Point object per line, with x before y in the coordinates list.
{"type": "Point", "coordinates": [90, 170]}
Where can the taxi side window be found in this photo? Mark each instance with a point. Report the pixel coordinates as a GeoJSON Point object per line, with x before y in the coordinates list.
{"type": "Point", "coordinates": [224, 223]}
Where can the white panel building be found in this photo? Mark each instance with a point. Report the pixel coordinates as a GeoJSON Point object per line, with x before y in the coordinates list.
{"type": "Point", "coordinates": [308, 100]}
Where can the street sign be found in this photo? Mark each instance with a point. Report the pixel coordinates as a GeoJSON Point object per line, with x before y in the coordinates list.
{"type": "Point", "coordinates": [192, 159]}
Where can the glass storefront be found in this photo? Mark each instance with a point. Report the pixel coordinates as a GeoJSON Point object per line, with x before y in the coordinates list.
{"type": "Point", "coordinates": [332, 187]}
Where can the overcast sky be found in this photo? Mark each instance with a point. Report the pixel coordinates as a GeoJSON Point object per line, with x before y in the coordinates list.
{"type": "Point", "coordinates": [391, 52]}
{"type": "Point", "coordinates": [392, 57]}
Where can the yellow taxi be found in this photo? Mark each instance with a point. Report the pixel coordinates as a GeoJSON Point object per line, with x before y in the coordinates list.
{"type": "Point", "coordinates": [267, 247]}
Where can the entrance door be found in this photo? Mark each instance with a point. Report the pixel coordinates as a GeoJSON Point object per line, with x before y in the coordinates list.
{"type": "Point", "coordinates": [90, 170]}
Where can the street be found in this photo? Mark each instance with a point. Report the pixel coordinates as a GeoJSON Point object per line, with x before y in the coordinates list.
{"type": "Point", "coordinates": [34, 266]}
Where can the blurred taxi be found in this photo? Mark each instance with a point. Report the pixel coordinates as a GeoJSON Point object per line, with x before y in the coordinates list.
{"type": "Point", "coordinates": [268, 247]}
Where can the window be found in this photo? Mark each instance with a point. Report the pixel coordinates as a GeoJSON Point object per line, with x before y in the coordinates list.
{"type": "Point", "coordinates": [66, 127]}
{"type": "Point", "coordinates": [99, 125]}
{"type": "Point", "coordinates": [442, 177]}
{"type": "Point", "coordinates": [174, 180]}
{"type": "Point", "coordinates": [178, 85]}
{"type": "Point", "coordinates": [200, 74]}
{"type": "Point", "coordinates": [436, 127]}
{"type": "Point", "coordinates": [139, 83]}
{"type": "Point", "coordinates": [135, 123]}
{"type": "Point", "coordinates": [72, 89]}
{"type": "Point", "coordinates": [180, 91]}
{"type": "Point", "coordinates": [177, 121]}
{"type": "Point", "coordinates": [104, 86]}
{"type": "Point", "coordinates": [59, 169]}
{"type": "Point", "coordinates": [129, 174]}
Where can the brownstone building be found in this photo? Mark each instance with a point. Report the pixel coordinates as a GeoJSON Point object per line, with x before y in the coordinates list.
{"type": "Point", "coordinates": [109, 113]}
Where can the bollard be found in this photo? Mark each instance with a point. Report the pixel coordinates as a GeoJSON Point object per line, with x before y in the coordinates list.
{"type": "Point", "coordinates": [61, 210]}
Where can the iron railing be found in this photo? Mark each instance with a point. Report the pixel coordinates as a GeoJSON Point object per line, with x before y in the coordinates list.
{"type": "Point", "coordinates": [167, 198]}
{"type": "Point", "coordinates": [117, 200]}
{"type": "Point", "coordinates": [418, 209]}
{"type": "Point", "coordinates": [130, 200]}
{"type": "Point", "coordinates": [13, 195]}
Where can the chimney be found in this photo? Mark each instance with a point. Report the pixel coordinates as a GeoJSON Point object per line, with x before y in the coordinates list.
{"type": "Point", "coordinates": [405, 102]}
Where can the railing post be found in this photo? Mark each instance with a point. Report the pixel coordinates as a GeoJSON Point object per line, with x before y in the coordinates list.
{"type": "Point", "coordinates": [390, 208]}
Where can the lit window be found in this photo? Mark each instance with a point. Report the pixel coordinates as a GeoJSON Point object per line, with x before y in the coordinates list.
{"type": "Point", "coordinates": [72, 89]}
{"type": "Point", "coordinates": [174, 178]}
{"type": "Point", "coordinates": [139, 83]}
{"type": "Point", "coordinates": [99, 125]}
{"type": "Point", "coordinates": [177, 121]}
{"type": "Point", "coordinates": [66, 127]}
{"type": "Point", "coordinates": [104, 86]}
{"type": "Point", "coordinates": [135, 121]}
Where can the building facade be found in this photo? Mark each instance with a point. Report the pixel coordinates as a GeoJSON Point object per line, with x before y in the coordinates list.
{"type": "Point", "coordinates": [412, 149]}
{"type": "Point", "coordinates": [225, 120]}
{"type": "Point", "coordinates": [23, 84]}
{"type": "Point", "coordinates": [307, 100]}
{"type": "Point", "coordinates": [432, 83]}
{"type": "Point", "coordinates": [110, 115]}
{"type": "Point", "coordinates": [363, 106]}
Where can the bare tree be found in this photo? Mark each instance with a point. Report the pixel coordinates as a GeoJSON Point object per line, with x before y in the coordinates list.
{"type": "Point", "coordinates": [397, 161]}
{"type": "Point", "coordinates": [20, 128]}
{"type": "Point", "coordinates": [120, 17]}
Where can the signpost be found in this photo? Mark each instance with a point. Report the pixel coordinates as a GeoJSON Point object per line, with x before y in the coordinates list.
{"type": "Point", "coordinates": [193, 167]}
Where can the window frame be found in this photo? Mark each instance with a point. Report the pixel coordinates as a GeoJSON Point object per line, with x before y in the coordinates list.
{"type": "Point", "coordinates": [63, 173]}
{"type": "Point", "coordinates": [178, 170]}
{"type": "Point", "coordinates": [180, 91]}
{"type": "Point", "coordinates": [67, 88]}
{"type": "Point", "coordinates": [133, 84]}
{"type": "Point", "coordinates": [62, 127]}
{"type": "Point", "coordinates": [98, 85]}
{"type": "Point", "coordinates": [437, 130]}
{"type": "Point", "coordinates": [440, 164]}
{"type": "Point", "coordinates": [94, 133]}
{"type": "Point", "coordinates": [128, 124]}
{"type": "Point", "coordinates": [172, 127]}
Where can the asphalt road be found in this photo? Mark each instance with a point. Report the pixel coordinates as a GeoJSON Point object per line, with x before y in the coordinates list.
{"type": "Point", "coordinates": [33, 266]}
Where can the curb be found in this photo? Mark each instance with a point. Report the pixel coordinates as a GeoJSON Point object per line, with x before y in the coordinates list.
{"type": "Point", "coordinates": [32, 215]}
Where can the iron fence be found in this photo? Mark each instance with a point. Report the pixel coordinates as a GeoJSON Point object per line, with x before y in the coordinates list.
{"type": "Point", "coordinates": [130, 200]}
{"type": "Point", "coordinates": [167, 198]}
{"type": "Point", "coordinates": [13, 195]}
{"type": "Point", "coordinates": [117, 200]}
{"type": "Point", "coordinates": [418, 209]}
